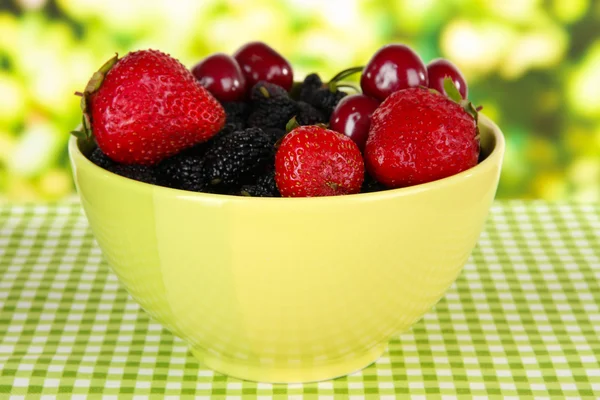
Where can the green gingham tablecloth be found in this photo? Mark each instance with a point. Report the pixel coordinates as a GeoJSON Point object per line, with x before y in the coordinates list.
{"type": "Point", "coordinates": [522, 320]}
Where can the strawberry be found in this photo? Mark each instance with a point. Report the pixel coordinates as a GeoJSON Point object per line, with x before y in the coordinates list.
{"type": "Point", "coordinates": [146, 107]}
{"type": "Point", "coordinates": [418, 135]}
{"type": "Point", "coordinates": [314, 161]}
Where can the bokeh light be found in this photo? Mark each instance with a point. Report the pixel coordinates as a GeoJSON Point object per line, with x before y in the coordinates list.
{"type": "Point", "coordinates": [534, 65]}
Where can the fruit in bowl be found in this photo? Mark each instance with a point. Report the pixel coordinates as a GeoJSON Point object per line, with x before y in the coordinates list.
{"type": "Point", "coordinates": [302, 288]}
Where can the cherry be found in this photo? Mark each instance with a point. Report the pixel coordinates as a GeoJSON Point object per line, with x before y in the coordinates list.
{"type": "Point", "coordinates": [352, 117]}
{"type": "Point", "coordinates": [260, 62]}
{"type": "Point", "coordinates": [222, 76]}
{"type": "Point", "coordinates": [392, 68]}
{"type": "Point", "coordinates": [440, 68]}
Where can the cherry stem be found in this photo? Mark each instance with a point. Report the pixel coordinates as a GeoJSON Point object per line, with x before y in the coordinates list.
{"type": "Point", "coordinates": [479, 108]}
{"type": "Point", "coordinates": [79, 94]}
{"type": "Point", "coordinates": [349, 86]}
{"type": "Point", "coordinates": [346, 73]}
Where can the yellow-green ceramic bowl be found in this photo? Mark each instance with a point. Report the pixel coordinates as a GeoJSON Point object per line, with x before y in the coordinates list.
{"type": "Point", "coordinates": [294, 289]}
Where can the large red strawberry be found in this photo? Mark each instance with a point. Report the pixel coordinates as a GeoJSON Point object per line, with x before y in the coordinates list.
{"type": "Point", "coordinates": [418, 135]}
{"type": "Point", "coordinates": [147, 106]}
{"type": "Point", "coordinates": [314, 161]}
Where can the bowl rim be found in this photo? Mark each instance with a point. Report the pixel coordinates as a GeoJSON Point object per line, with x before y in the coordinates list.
{"type": "Point", "coordinates": [494, 158]}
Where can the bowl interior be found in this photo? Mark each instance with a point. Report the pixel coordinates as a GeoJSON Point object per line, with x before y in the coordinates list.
{"type": "Point", "coordinates": [492, 146]}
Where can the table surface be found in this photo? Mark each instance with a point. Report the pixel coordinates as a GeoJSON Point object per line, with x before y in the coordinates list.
{"type": "Point", "coordinates": [522, 319]}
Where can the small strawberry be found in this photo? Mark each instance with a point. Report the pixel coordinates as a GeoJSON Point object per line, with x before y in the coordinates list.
{"type": "Point", "coordinates": [314, 161]}
{"type": "Point", "coordinates": [418, 135]}
{"type": "Point", "coordinates": [146, 107]}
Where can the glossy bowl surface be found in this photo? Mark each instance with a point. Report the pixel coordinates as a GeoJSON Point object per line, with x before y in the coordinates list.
{"type": "Point", "coordinates": [293, 289]}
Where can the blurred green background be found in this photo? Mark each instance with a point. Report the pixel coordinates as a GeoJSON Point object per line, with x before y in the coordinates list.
{"type": "Point", "coordinates": [533, 65]}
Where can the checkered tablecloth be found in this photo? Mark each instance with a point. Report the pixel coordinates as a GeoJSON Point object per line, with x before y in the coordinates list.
{"type": "Point", "coordinates": [522, 320]}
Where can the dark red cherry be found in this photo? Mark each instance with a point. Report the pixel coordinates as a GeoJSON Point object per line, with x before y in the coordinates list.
{"type": "Point", "coordinates": [260, 62]}
{"type": "Point", "coordinates": [392, 68]}
{"type": "Point", "coordinates": [440, 68]}
{"type": "Point", "coordinates": [352, 117]}
{"type": "Point", "coordinates": [222, 76]}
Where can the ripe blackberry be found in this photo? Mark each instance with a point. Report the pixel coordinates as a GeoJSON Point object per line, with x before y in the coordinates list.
{"type": "Point", "coordinates": [101, 159]}
{"type": "Point", "coordinates": [237, 158]}
{"type": "Point", "coordinates": [226, 130]}
{"type": "Point", "coordinates": [196, 150]}
{"type": "Point", "coordinates": [309, 115]}
{"type": "Point", "coordinates": [311, 83]}
{"type": "Point", "coordinates": [182, 171]}
{"type": "Point", "coordinates": [274, 134]}
{"type": "Point", "coordinates": [140, 173]}
{"type": "Point", "coordinates": [265, 186]}
{"type": "Point", "coordinates": [236, 114]}
{"type": "Point", "coordinates": [371, 185]}
{"type": "Point", "coordinates": [272, 106]}
{"type": "Point", "coordinates": [481, 156]}
{"type": "Point", "coordinates": [326, 100]}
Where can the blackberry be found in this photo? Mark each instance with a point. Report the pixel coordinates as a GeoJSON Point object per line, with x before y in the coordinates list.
{"type": "Point", "coordinates": [265, 186]}
{"type": "Point", "coordinates": [236, 114]}
{"type": "Point", "coordinates": [311, 84]}
{"type": "Point", "coordinates": [226, 130]}
{"type": "Point", "coordinates": [274, 134]}
{"type": "Point", "coordinates": [326, 100]}
{"type": "Point", "coordinates": [182, 171]}
{"type": "Point", "coordinates": [272, 106]}
{"type": "Point", "coordinates": [140, 173]}
{"type": "Point", "coordinates": [371, 185]}
{"type": "Point", "coordinates": [481, 155]}
{"type": "Point", "coordinates": [309, 115]}
{"type": "Point", "coordinates": [196, 150]}
{"type": "Point", "coordinates": [237, 158]}
{"type": "Point", "coordinates": [100, 159]}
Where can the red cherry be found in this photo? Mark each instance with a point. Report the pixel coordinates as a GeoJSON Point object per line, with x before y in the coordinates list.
{"type": "Point", "coordinates": [260, 62]}
{"type": "Point", "coordinates": [222, 76]}
{"type": "Point", "coordinates": [392, 68]}
{"type": "Point", "coordinates": [440, 68]}
{"type": "Point", "coordinates": [352, 117]}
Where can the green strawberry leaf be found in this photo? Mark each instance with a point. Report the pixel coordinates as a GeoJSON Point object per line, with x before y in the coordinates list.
{"type": "Point", "coordinates": [451, 90]}
{"type": "Point", "coordinates": [453, 93]}
{"type": "Point", "coordinates": [96, 81]}
{"type": "Point", "coordinates": [79, 133]}
{"type": "Point", "coordinates": [292, 124]}
{"type": "Point", "coordinates": [471, 110]}
{"type": "Point", "coordinates": [84, 131]}
{"type": "Point", "coordinates": [83, 103]}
